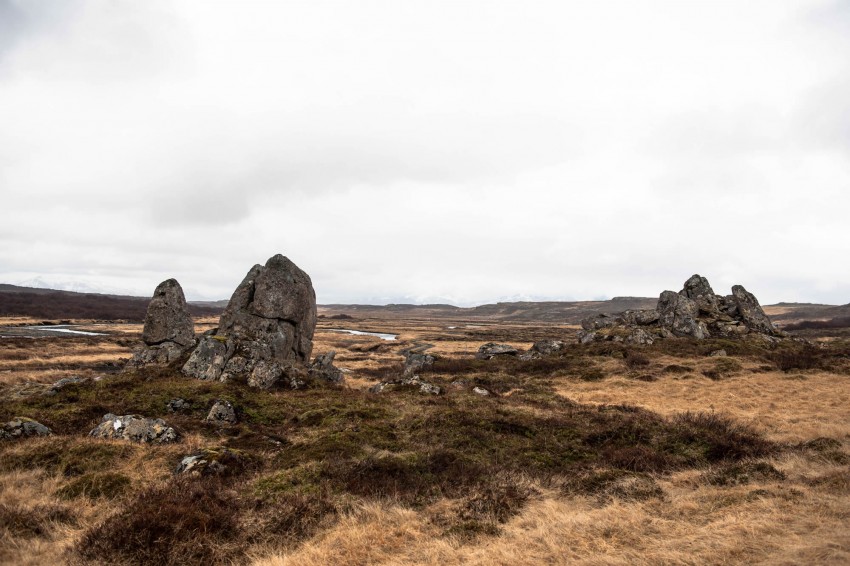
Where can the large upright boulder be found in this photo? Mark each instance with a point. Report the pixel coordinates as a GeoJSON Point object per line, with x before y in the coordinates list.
{"type": "Point", "coordinates": [266, 331]}
{"type": "Point", "coordinates": [169, 331]}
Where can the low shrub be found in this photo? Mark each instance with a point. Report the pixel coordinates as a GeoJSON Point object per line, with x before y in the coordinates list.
{"type": "Point", "coordinates": [184, 522]}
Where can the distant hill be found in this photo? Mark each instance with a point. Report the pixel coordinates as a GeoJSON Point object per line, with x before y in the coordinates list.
{"type": "Point", "coordinates": [521, 311]}
{"type": "Point", "coordinates": [50, 304]}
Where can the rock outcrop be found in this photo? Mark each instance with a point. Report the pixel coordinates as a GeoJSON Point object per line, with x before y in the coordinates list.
{"type": "Point", "coordinates": [169, 331]}
{"type": "Point", "coordinates": [265, 334]}
{"type": "Point", "coordinates": [490, 350]}
{"type": "Point", "coordinates": [134, 428]}
{"type": "Point", "coordinates": [22, 427]}
{"type": "Point", "coordinates": [695, 311]}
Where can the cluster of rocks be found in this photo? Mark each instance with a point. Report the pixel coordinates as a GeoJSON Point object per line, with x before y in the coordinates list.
{"type": "Point", "coordinates": [695, 311]}
{"type": "Point", "coordinates": [22, 427]}
{"type": "Point", "coordinates": [134, 428]}
{"type": "Point", "coordinates": [538, 350]}
{"type": "Point", "coordinates": [264, 335]}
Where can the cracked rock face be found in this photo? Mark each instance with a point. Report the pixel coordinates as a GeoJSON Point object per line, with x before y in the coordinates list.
{"type": "Point", "coordinates": [695, 311]}
{"type": "Point", "coordinates": [169, 331]}
{"type": "Point", "coordinates": [266, 328]}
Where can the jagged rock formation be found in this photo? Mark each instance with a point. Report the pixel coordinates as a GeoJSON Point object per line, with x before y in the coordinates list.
{"type": "Point", "coordinates": [265, 334]}
{"type": "Point", "coordinates": [169, 331]}
{"type": "Point", "coordinates": [695, 311]}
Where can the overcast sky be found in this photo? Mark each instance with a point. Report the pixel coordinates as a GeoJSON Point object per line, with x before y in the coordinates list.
{"type": "Point", "coordinates": [428, 151]}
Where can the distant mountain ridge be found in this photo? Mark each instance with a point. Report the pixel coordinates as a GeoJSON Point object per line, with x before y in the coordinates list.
{"type": "Point", "coordinates": [52, 304]}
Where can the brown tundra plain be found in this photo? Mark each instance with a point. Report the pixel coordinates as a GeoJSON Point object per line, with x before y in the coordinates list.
{"type": "Point", "coordinates": [598, 453]}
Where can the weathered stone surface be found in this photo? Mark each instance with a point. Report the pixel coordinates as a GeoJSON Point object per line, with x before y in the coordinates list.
{"type": "Point", "coordinates": [480, 391]}
{"type": "Point", "coordinates": [718, 354]}
{"type": "Point", "coordinates": [415, 362]}
{"type": "Point", "coordinates": [208, 359]}
{"type": "Point", "coordinates": [222, 412]}
{"type": "Point", "coordinates": [700, 292]}
{"type": "Point", "coordinates": [751, 312]}
{"type": "Point", "coordinates": [323, 368]}
{"type": "Point", "coordinates": [168, 318]}
{"type": "Point", "coordinates": [491, 349]}
{"type": "Point", "coordinates": [424, 386]}
{"type": "Point", "coordinates": [22, 427]}
{"type": "Point", "coordinates": [134, 428]}
{"type": "Point", "coordinates": [265, 375]}
{"type": "Point", "coordinates": [168, 331]}
{"type": "Point", "coordinates": [161, 354]}
{"type": "Point", "coordinates": [640, 317]}
{"type": "Point", "coordinates": [267, 326]}
{"type": "Point", "coordinates": [602, 320]}
{"type": "Point", "coordinates": [678, 314]}
{"type": "Point", "coordinates": [547, 347]}
{"type": "Point", "coordinates": [177, 405]}
{"type": "Point", "coordinates": [211, 461]}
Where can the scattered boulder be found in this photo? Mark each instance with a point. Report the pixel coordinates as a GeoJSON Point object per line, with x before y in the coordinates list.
{"type": "Point", "coordinates": [415, 362]}
{"type": "Point", "coordinates": [211, 461]}
{"type": "Point", "coordinates": [490, 350]}
{"type": "Point", "coordinates": [424, 386]}
{"type": "Point", "coordinates": [695, 312]}
{"type": "Point", "coordinates": [547, 347]}
{"type": "Point", "coordinates": [22, 427]}
{"type": "Point", "coordinates": [414, 381]}
{"type": "Point", "coordinates": [718, 354]}
{"type": "Point", "coordinates": [323, 368]}
{"type": "Point", "coordinates": [63, 383]}
{"type": "Point", "coordinates": [222, 413]}
{"type": "Point", "coordinates": [134, 428]}
{"type": "Point", "coordinates": [480, 391]}
{"type": "Point", "coordinates": [177, 405]}
{"type": "Point", "coordinates": [266, 329]}
{"type": "Point", "coordinates": [169, 331]}
{"type": "Point", "coordinates": [543, 348]}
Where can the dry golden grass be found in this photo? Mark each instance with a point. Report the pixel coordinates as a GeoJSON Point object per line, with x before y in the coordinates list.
{"type": "Point", "coordinates": [786, 407]}
{"type": "Point", "coordinates": [799, 520]}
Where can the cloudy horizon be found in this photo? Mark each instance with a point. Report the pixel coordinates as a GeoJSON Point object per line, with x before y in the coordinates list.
{"type": "Point", "coordinates": [460, 152]}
